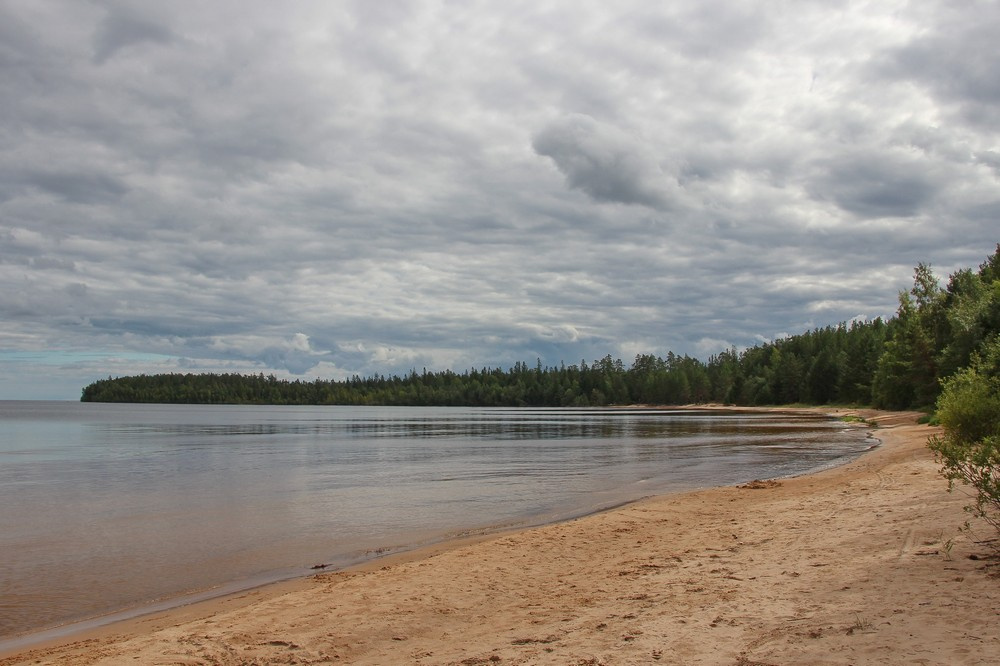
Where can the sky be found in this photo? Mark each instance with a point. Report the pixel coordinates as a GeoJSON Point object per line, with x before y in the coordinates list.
{"type": "Point", "coordinates": [323, 189]}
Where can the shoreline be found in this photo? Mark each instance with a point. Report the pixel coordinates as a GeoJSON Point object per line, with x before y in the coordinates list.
{"type": "Point", "coordinates": [97, 625]}
{"type": "Point", "coordinates": [28, 638]}
{"type": "Point", "coordinates": [672, 578]}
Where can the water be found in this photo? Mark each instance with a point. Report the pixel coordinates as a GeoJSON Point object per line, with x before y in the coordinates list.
{"type": "Point", "coordinates": [105, 507]}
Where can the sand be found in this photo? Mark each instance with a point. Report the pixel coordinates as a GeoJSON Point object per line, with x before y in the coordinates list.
{"type": "Point", "coordinates": [862, 564]}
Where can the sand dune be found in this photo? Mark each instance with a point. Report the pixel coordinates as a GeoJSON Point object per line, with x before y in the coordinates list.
{"type": "Point", "coordinates": [863, 564]}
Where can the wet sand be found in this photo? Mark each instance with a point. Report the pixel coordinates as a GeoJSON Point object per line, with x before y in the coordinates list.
{"type": "Point", "coordinates": [861, 564]}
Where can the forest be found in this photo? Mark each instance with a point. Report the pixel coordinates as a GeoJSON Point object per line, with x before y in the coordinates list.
{"type": "Point", "coordinates": [900, 363]}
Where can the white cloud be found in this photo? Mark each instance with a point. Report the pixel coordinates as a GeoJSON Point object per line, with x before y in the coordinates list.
{"type": "Point", "coordinates": [709, 346]}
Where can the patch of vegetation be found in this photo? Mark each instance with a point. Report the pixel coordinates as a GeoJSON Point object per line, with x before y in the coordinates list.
{"type": "Point", "coordinates": [860, 624]}
{"type": "Point", "coordinates": [854, 418]}
{"type": "Point", "coordinates": [969, 450]}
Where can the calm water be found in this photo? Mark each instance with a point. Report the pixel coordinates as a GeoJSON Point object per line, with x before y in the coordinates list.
{"type": "Point", "coordinates": [105, 507]}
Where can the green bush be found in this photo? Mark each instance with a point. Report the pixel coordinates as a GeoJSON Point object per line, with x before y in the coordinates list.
{"type": "Point", "coordinates": [969, 411]}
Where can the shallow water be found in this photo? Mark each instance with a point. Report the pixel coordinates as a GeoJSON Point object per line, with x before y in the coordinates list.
{"type": "Point", "coordinates": [105, 507]}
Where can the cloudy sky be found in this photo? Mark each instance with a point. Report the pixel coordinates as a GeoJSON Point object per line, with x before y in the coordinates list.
{"type": "Point", "coordinates": [318, 189]}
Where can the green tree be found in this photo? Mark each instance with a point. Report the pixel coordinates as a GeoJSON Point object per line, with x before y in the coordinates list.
{"type": "Point", "coordinates": [906, 375]}
{"type": "Point", "coordinates": [863, 346]}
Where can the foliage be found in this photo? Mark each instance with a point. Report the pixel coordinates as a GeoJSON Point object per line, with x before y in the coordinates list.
{"type": "Point", "coordinates": [969, 411]}
{"type": "Point", "coordinates": [935, 333]}
{"type": "Point", "coordinates": [852, 418]}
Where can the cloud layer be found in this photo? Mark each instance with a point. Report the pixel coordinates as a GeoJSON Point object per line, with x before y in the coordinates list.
{"type": "Point", "coordinates": [336, 188]}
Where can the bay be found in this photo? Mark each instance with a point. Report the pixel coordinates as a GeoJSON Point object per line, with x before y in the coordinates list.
{"type": "Point", "coordinates": [105, 507]}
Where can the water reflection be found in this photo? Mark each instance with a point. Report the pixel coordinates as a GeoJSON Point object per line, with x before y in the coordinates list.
{"type": "Point", "coordinates": [499, 424]}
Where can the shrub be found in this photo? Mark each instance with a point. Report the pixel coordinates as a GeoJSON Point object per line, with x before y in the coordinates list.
{"type": "Point", "coordinates": [969, 451]}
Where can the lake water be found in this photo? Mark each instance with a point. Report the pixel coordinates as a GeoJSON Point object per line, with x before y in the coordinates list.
{"type": "Point", "coordinates": [105, 507]}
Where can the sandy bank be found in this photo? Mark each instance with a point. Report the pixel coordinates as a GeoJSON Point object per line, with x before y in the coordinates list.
{"type": "Point", "coordinates": [859, 564]}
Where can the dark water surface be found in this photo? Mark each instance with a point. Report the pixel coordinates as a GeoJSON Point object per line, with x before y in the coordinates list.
{"type": "Point", "coordinates": [105, 507]}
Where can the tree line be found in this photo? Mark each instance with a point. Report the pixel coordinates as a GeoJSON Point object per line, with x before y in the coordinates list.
{"type": "Point", "coordinates": [899, 363]}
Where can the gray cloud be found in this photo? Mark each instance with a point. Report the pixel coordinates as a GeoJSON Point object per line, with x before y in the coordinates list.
{"type": "Point", "coordinates": [604, 162]}
{"type": "Point", "coordinates": [876, 185]}
{"type": "Point", "coordinates": [79, 188]}
{"type": "Point", "coordinates": [329, 189]}
{"type": "Point", "coordinates": [121, 29]}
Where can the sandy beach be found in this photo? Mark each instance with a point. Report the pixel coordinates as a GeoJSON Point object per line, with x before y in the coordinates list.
{"type": "Point", "coordinates": [862, 564]}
